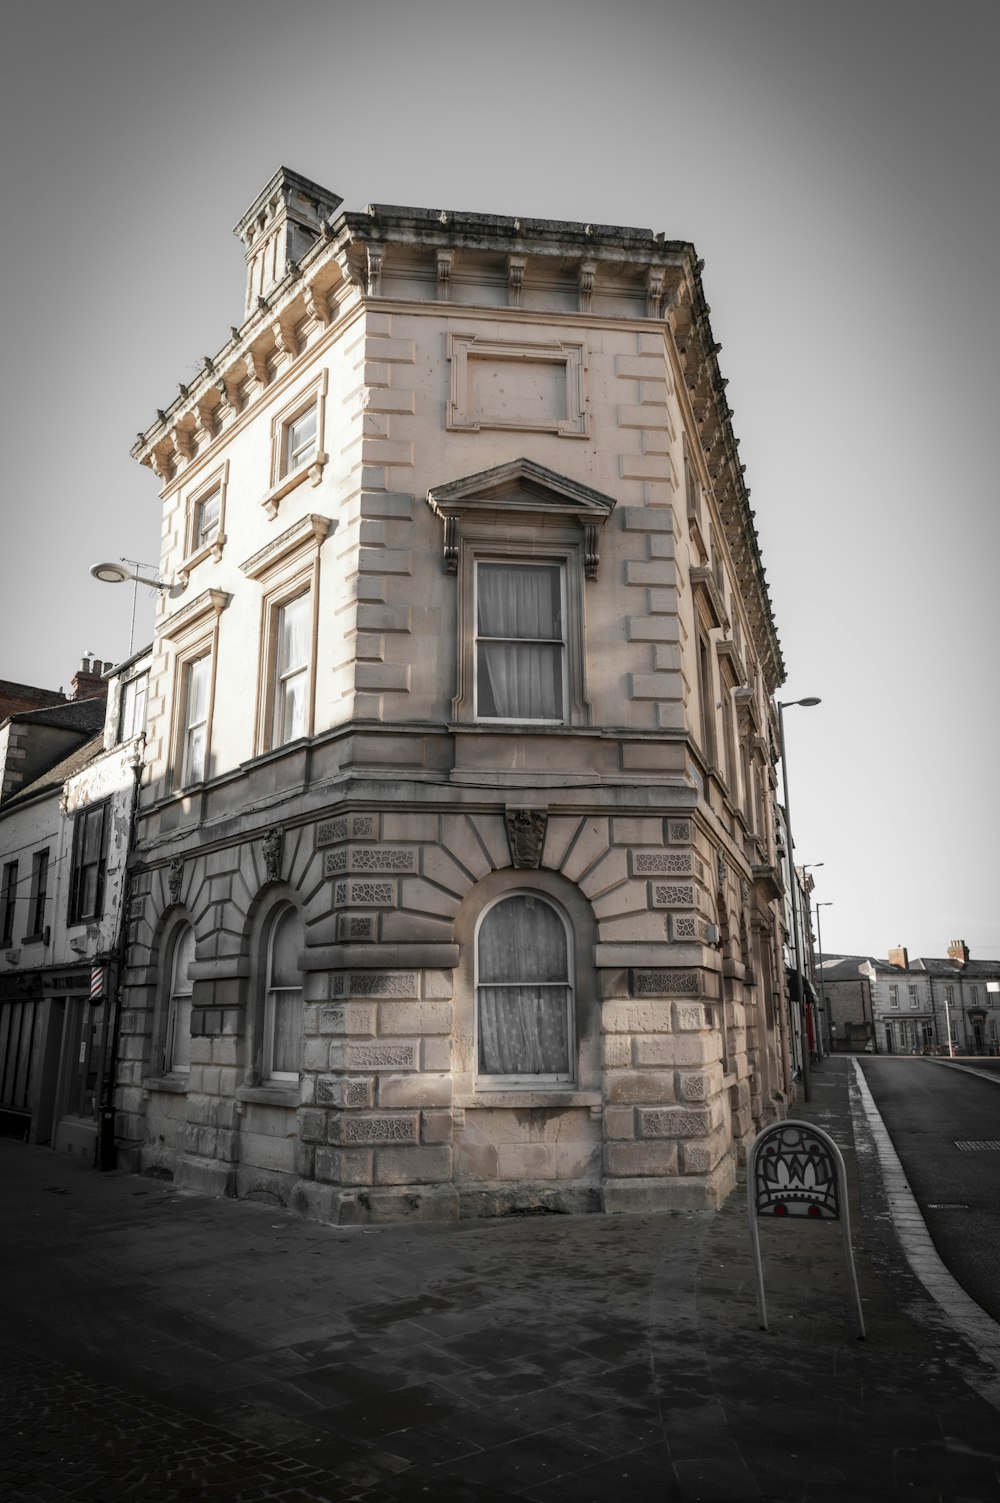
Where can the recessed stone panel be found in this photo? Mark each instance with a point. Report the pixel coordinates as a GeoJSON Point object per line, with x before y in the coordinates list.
{"type": "Point", "coordinates": [382, 1056]}
{"type": "Point", "coordinates": [379, 1129]}
{"type": "Point", "coordinates": [672, 894]}
{"type": "Point", "coordinates": [666, 864]}
{"type": "Point", "coordinates": [675, 1123]}
{"type": "Point", "coordinates": [665, 983]}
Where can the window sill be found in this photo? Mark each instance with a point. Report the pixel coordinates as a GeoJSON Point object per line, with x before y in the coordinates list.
{"type": "Point", "coordinates": [270, 1095]}
{"type": "Point", "coordinates": [312, 472]}
{"type": "Point", "coordinates": [174, 1085]}
{"type": "Point", "coordinates": [522, 1096]}
{"type": "Point", "coordinates": [210, 550]}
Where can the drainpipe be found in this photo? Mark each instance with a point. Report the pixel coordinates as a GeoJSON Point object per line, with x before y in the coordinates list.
{"type": "Point", "coordinates": [106, 1154]}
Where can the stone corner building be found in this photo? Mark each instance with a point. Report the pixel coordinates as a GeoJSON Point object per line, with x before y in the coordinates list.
{"type": "Point", "coordinates": [456, 887]}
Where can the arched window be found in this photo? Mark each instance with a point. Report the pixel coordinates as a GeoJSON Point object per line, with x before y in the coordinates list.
{"type": "Point", "coordinates": [177, 1042]}
{"type": "Point", "coordinates": [282, 1022]}
{"type": "Point", "coordinates": [524, 993]}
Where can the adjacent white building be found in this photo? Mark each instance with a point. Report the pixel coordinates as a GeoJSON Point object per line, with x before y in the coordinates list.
{"type": "Point", "coordinates": [70, 772]}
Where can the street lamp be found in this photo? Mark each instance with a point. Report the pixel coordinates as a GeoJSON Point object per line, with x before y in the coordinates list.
{"type": "Point", "coordinates": [819, 941]}
{"type": "Point", "coordinates": [109, 573]}
{"type": "Point", "coordinates": [799, 979]}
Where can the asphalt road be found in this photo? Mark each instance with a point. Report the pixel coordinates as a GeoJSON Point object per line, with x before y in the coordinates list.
{"type": "Point", "coordinates": [928, 1109]}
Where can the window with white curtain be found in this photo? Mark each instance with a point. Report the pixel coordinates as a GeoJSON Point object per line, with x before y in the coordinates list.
{"type": "Point", "coordinates": [195, 745]}
{"type": "Point", "coordinates": [524, 993]}
{"type": "Point", "coordinates": [282, 1020]}
{"type": "Point", "coordinates": [177, 1044]}
{"type": "Point", "coordinates": [292, 631]}
{"type": "Point", "coordinates": [520, 659]}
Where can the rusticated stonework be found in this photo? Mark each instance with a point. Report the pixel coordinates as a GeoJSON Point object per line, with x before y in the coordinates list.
{"type": "Point", "coordinates": [380, 1130]}
{"type": "Point", "coordinates": [672, 1123]}
{"type": "Point", "coordinates": [333, 831]}
{"type": "Point", "coordinates": [381, 1056]}
{"type": "Point", "coordinates": [673, 897]}
{"type": "Point", "coordinates": [375, 984]}
{"type": "Point", "coordinates": [364, 895]}
{"type": "Point", "coordinates": [679, 831]}
{"type": "Point", "coordinates": [382, 860]}
{"type": "Point", "coordinates": [665, 983]}
{"type": "Point", "coordinates": [666, 864]}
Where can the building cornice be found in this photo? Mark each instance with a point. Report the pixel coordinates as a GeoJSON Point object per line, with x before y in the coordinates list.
{"type": "Point", "coordinates": [351, 260]}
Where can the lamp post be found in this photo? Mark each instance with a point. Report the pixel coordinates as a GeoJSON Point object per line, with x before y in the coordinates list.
{"type": "Point", "coordinates": [819, 941]}
{"type": "Point", "coordinates": [782, 707]}
{"type": "Point", "coordinates": [114, 574]}
{"type": "Point", "coordinates": [810, 866]}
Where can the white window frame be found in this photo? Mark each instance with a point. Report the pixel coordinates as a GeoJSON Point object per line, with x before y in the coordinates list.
{"type": "Point", "coordinates": [195, 630]}
{"type": "Point", "coordinates": [521, 513]}
{"type": "Point", "coordinates": [286, 674]}
{"type": "Point", "coordinates": [288, 469]}
{"type": "Point", "coordinates": [132, 710]}
{"type": "Point", "coordinates": [485, 1082]}
{"type": "Point", "coordinates": [558, 563]}
{"type": "Point", "coordinates": [190, 725]}
{"type": "Point", "coordinates": [894, 996]}
{"type": "Point", "coordinates": [197, 548]}
{"type": "Point", "coordinates": [287, 568]}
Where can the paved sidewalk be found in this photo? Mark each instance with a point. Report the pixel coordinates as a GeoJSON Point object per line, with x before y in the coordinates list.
{"type": "Point", "coordinates": [162, 1347]}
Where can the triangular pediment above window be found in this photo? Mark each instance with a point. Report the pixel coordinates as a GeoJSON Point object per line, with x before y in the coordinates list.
{"type": "Point", "coordinates": [520, 493]}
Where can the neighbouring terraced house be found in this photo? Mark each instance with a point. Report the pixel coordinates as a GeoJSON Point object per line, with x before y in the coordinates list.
{"type": "Point", "coordinates": [456, 887]}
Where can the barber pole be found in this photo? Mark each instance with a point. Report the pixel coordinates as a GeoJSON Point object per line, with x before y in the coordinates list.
{"type": "Point", "coordinates": [97, 982]}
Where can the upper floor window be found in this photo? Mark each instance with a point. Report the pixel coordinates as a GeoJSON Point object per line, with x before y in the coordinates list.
{"type": "Point", "coordinates": [195, 726]}
{"type": "Point", "coordinates": [292, 647]}
{"type": "Point", "coordinates": [520, 642]}
{"type": "Point", "coordinates": [522, 541]}
{"type": "Point", "coordinates": [524, 993]}
{"type": "Point", "coordinates": [132, 720]}
{"type": "Point", "coordinates": [301, 439]}
{"type": "Point", "coordinates": [39, 893]}
{"type": "Point", "coordinates": [177, 1041]}
{"type": "Point", "coordinates": [894, 996]}
{"type": "Point", "coordinates": [282, 1020]}
{"type": "Point", "coordinates": [913, 995]}
{"type": "Point", "coordinates": [206, 518]}
{"type": "Point", "coordinates": [297, 432]}
{"type": "Point", "coordinates": [90, 850]}
{"type": "Point", "coordinates": [8, 901]}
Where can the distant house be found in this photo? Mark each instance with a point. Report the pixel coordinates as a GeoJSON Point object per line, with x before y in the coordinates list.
{"type": "Point", "coordinates": [69, 778]}
{"type": "Point", "coordinates": [904, 1006]}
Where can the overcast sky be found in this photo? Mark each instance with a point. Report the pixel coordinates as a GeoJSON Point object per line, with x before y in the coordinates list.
{"type": "Point", "coordinates": [834, 165]}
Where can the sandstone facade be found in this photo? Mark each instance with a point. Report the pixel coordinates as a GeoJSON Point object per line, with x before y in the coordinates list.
{"type": "Point", "coordinates": [461, 742]}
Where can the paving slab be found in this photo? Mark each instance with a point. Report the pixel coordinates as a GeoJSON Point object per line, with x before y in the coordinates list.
{"type": "Point", "coordinates": [161, 1346]}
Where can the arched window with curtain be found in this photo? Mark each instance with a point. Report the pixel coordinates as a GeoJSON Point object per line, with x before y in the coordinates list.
{"type": "Point", "coordinates": [524, 993]}
{"type": "Point", "coordinates": [282, 1016]}
{"type": "Point", "coordinates": [177, 1038]}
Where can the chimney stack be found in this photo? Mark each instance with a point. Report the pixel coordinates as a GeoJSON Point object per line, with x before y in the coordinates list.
{"type": "Point", "coordinates": [280, 225]}
{"type": "Point", "coordinates": [958, 951]}
{"type": "Point", "coordinates": [899, 958]}
{"type": "Point", "coordinates": [88, 682]}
